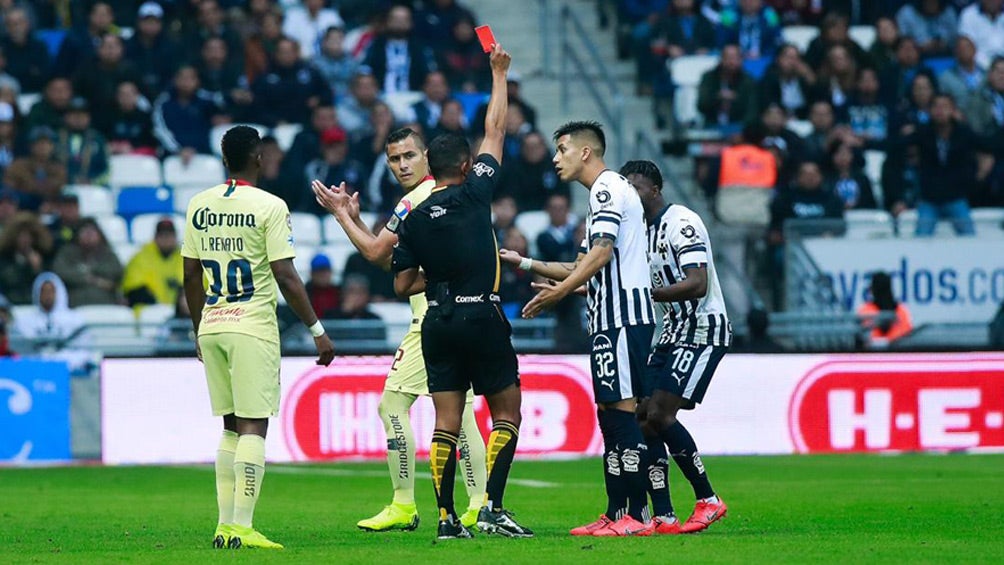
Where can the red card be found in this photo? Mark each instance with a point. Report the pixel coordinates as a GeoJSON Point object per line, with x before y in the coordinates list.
{"type": "Point", "coordinates": [486, 36]}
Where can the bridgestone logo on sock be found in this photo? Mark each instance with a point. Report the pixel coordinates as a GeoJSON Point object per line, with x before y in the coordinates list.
{"type": "Point", "coordinates": [249, 480]}
{"type": "Point", "coordinates": [399, 444]}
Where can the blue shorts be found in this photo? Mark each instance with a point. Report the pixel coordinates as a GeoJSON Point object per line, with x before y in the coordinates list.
{"type": "Point", "coordinates": [684, 369]}
{"type": "Point", "coordinates": [617, 362]}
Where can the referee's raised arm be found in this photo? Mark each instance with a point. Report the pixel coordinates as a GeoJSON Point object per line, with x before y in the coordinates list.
{"type": "Point", "coordinates": [498, 105]}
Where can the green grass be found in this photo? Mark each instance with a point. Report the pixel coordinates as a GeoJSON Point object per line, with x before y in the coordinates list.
{"type": "Point", "coordinates": [910, 508]}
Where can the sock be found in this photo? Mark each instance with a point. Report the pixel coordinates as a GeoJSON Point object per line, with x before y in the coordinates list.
{"type": "Point", "coordinates": [684, 451]}
{"type": "Point", "coordinates": [633, 455]}
{"type": "Point", "coordinates": [501, 450]}
{"type": "Point", "coordinates": [473, 458]}
{"type": "Point", "coordinates": [616, 496]}
{"type": "Point", "coordinates": [658, 477]}
{"type": "Point", "coordinates": [393, 410]}
{"type": "Point", "coordinates": [249, 470]}
{"type": "Point", "coordinates": [225, 476]}
{"type": "Point", "coordinates": [443, 460]}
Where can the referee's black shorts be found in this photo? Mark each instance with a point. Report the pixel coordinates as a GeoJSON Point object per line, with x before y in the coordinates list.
{"type": "Point", "coordinates": [471, 347]}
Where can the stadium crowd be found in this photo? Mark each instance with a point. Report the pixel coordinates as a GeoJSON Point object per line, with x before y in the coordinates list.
{"type": "Point", "coordinates": [83, 84]}
{"type": "Point", "coordinates": [898, 106]}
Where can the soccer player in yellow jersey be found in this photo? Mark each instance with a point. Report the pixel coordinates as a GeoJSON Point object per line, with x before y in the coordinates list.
{"type": "Point", "coordinates": [407, 159]}
{"type": "Point", "coordinates": [239, 240]}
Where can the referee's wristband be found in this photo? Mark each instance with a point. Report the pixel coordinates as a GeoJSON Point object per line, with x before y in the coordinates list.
{"type": "Point", "coordinates": [317, 330]}
{"type": "Point", "coordinates": [525, 264]}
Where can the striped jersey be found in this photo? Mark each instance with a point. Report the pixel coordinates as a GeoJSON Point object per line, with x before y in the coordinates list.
{"type": "Point", "coordinates": [677, 240]}
{"type": "Point", "coordinates": [620, 294]}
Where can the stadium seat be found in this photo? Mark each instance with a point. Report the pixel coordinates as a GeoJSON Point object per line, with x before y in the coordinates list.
{"type": "Point", "coordinates": [397, 317]}
{"type": "Point", "coordinates": [802, 127]}
{"type": "Point", "coordinates": [110, 326]}
{"type": "Point", "coordinates": [532, 223]}
{"type": "Point", "coordinates": [136, 200]}
{"type": "Point", "coordinates": [142, 227]}
{"type": "Point", "coordinates": [874, 160]}
{"type": "Point", "coordinates": [202, 171]}
{"type": "Point", "coordinates": [94, 200]}
{"type": "Point", "coordinates": [125, 251]}
{"type": "Point", "coordinates": [686, 73]}
{"type": "Point", "coordinates": [115, 229]}
{"type": "Point", "coordinates": [757, 67]}
{"type": "Point", "coordinates": [400, 103]}
{"type": "Point", "coordinates": [989, 222]}
{"type": "Point", "coordinates": [53, 39]}
{"type": "Point", "coordinates": [306, 229]}
{"type": "Point", "coordinates": [152, 317]}
{"type": "Point", "coordinates": [799, 36]}
{"type": "Point", "coordinates": [184, 194]}
{"type": "Point", "coordinates": [333, 232]}
{"type": "Point", "coordinates": [339, 253]}
{"type": "Point", "coordinates": [134, 170]}
{"type": "Point", "coordinates": [216, 135]}
{"type": "Point", "coordinates": [862, 35]}
{"type": "Point", "coordinates": [868, 224]}
{"type": "Point", "coordinates": [304, 255]}
{"type": "Point", "coordinates": [939, 65]}
{"type": "Point", "coordinates": [285, 133]}
{"type": "Point", "coordinates": [26, 101]}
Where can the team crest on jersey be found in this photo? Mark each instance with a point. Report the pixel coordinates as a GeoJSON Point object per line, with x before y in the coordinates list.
{"type": "Point", "coordinates": [482, 169]}
{"type": "Point", "coordinates": [688, 231]}
{"type": "Point", "coordinates": [603, 196]}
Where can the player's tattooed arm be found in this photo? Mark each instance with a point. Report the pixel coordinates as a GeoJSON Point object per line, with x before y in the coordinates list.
{"type": "Point", "coordinates": [555, 270]}
{"type": "Point", "coordinates": [586, 267]}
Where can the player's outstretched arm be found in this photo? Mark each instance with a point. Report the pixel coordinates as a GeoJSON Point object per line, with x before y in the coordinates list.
{"type": "Point", "coordinates": [377, 249]}
{"type": "Point", "coordinates": [694, 287]}
{"type": "Point", "coordinates": [195, 294]}
{"type": "Point", "coordinates": [409, 282]}
{"type": "Point", "coordinates": [555, 270]}
{"type": "Point", "coordinates": [598, 256]}
{"type": "Point", "coordinates": [295, 294]}
{"type": "Point", "coordinates": [498, 105]}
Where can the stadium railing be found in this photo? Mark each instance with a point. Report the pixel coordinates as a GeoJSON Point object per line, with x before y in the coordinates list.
{"type": "Point", "coordinates": [573, 38]}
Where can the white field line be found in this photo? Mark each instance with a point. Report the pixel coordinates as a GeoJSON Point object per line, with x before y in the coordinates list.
{"type": "Point", "coordinates": [296, 470]}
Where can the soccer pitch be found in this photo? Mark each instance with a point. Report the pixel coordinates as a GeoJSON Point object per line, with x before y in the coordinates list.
{"type": "Point", "coordinates": [867, 508]}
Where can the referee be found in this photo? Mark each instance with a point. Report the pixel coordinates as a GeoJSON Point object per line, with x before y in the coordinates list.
{"type": "Point", "coordinates": [465, 335]}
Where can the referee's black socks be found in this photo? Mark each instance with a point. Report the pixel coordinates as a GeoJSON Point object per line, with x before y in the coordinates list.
{"type": "Point", "coordinates": [443, 460]}
{"type": "Point", "coordinates": [501, 450]}
{"type": "Point", "coordinates": [624, 444]}
{"type": "Point", "coordinates": [684, 451]}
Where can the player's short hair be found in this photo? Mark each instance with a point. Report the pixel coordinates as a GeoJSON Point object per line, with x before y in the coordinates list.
{"type": "Point", "coordinates": [647, 169]}
{"type": "Point", "coordinates": [447, 153]}
{"type": "Point", "coordinates": [239, 146]}
{"type": "Point", "coordinates": [591, 131]}
{"type": "Point", "coordinates": [403, 134]}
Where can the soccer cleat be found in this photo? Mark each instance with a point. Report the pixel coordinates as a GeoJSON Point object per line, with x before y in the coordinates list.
{"type": "Point", "coordinates": [393, 517]}
{"type": "Point", "coordinates": [626, 526]}
{"type": "Point", "coordinates": [705, 514]}
{"type": "Point", "coordinates": [667, 525]}
{"type": "Point", "coordinates": [470, 518]}
{"type": "Point", "coordinates": [241, 536]}
{"type": "Point", "coordinates": [588, 529]}
{"type": "Point", "coordinates": [222, 536]}
{"type": "Point", "coordinates": [501, 522]}
{"type": "Point", "coordinates": [451, 529]}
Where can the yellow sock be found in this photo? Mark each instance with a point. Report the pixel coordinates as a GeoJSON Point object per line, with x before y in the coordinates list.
{"type": "Point", "coordinates": [225, 476]}
{"type": "Point", "coordinates": [249, 470]}
{"type": "Point", "coordinates": [472, 458]}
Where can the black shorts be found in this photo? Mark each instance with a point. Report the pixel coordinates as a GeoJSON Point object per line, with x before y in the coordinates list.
{"type": "Point", "coordinates": [684, 369]}
{"type": "Point", "coordinates": [617, 362]}
{"type": "Point", "coordinates": [471, 347]}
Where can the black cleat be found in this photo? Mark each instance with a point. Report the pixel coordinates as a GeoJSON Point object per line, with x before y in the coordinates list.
{"type": "Point", "coordinates": [453, 529]}
{"type": "Point", "coordinates": [501, 522]}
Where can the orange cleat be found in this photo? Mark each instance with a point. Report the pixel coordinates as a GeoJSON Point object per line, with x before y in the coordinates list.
{"type": "Point", "coordinates": [705, 514]}
{"type": "Point", "coordinates": [626, 526]}
{"type": "Point", "coordinates": [588, 529]}
{"type": "Point", "coordinates": [667, 526]}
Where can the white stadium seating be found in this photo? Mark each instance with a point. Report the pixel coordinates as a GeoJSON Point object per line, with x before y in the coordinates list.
{"type": "Point", "coordinates": [532, 223]}
{"type": "Point", "coordinates": [216, 135]}
{"type": "Point", "coordinates": [285, 134]}
{"type": "Point", "coordinates": [115, 229]}
{"type": "Point", "coordinates": [202, 171]}
{"type": "Point", "coordinates": [799, 36]}
{"type": "Point", "coordinates": [686, 73]}
{"type": "Point", "coordinates": [95, 201]}
{"type": "Point", "coordinates": [144, 225]}
{"type": "Point", "coordinates": [306, 229]}
{"type": "Point", "coordinates": [865, 224]}
{"type": "Point", "coordinates": [134, 170]}
{"type": "Point", "coordinates": [862, 35]}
